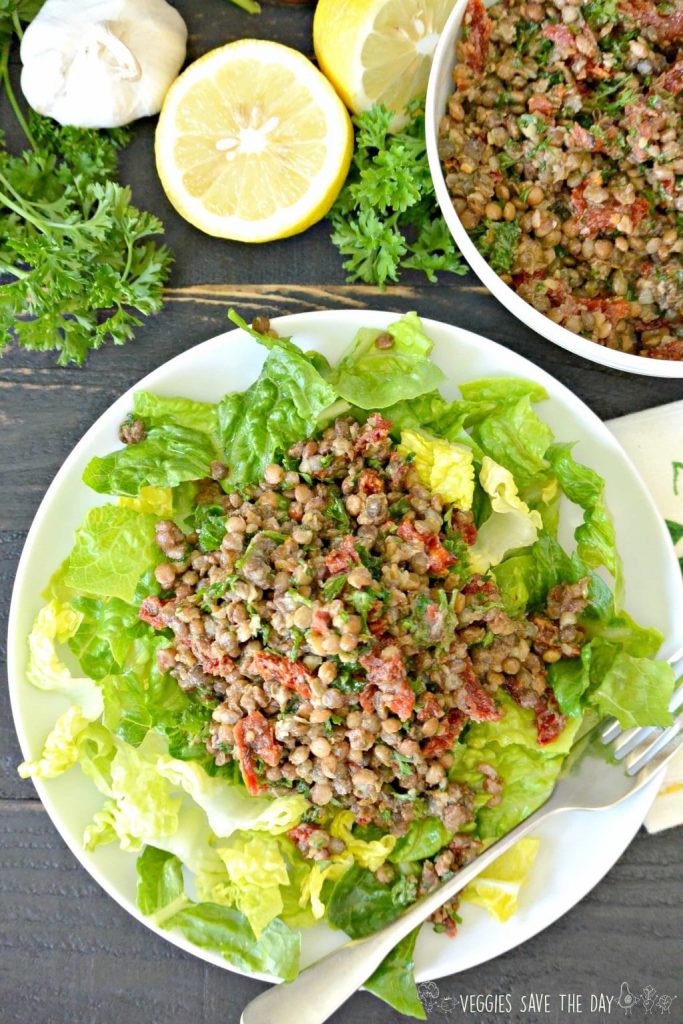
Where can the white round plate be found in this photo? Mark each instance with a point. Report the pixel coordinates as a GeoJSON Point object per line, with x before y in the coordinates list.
{"type": "Point", "coordinates": [576, 850]}
{"type": "Point", "coordinates": [439, 89]}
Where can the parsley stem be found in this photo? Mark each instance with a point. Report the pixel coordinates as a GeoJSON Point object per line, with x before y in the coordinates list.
{"type": "Point", "coordinates": [16, 21]}
{"type": "Point", "coordinates": [4, 75]}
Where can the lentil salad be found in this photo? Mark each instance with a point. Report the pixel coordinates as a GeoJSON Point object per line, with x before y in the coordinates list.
{"type": "Point", "coordinates": [377, 552]}
{"type": "Point", "coordinates": [562, 152]}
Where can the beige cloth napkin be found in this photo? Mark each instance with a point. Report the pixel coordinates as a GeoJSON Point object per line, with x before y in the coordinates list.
{"type": "Point", "coordinates": [654, 441]}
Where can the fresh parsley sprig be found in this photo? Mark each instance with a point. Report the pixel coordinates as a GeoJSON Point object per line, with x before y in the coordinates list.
{"type": "Point", "coordinates": [386, 218]}
{"type": "Point", "coordinates": [78, 263]}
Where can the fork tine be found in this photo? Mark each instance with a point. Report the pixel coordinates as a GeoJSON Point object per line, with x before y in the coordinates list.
{"type": "Point", "coordinates": [642, 756]}
{"type": "Point", "coordinates": [631, 739]}
{"type": "Point", "coordinates": [609, 730]}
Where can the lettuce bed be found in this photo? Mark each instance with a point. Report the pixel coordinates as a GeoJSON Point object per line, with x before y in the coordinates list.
{"type": "Point", "coordinates": [214, 862]}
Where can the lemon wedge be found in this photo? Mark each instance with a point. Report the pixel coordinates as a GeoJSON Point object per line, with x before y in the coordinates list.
{"type": "Point", "coordinates": [378, 51]}
{"type": "Point", "coordinates": [253, 143]}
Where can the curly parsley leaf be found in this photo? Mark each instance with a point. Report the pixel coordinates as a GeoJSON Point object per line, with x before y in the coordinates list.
{"type": "Point", "coordinates": [79, 265]}
{"type": "Point", "coordinates": [497, 241]}
{"type": "Point", "coordinates": [386, 219]}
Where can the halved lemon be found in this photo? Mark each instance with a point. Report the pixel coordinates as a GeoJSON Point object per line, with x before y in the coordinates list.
{"type": "Point", "coordinates": [253, 143]}
{"type": "Point", "coordinates": [378, 51]}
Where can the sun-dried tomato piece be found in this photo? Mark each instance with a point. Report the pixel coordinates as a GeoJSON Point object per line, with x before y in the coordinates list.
{"type": "Point", "coordinates": [430, 707]}
{"type": "Point", "coordinates": [476, 36]}
{"type": "Point", "coordinates": [152, 612]}
{"type": "Point", "coordinates": [667, 26]}
{"type": "Point", "coordinates": [389, 676]}
{"type": "Point", "coordinates": [452, 727]}
{"type": "Point", "coordinates": [375, 429]}
{"type": "Point", "coordinates": [549, 720]}
{"type": "Point", "coordinates": [273, 668]}
{"type": "Point", "coordinates": [540, 104]}
{"type": "Point", "coordinates": [440, 560]}
{"type": "Point", "coordinates": [302, 835]}
{"type": "Point", "coordinates": [614, 309]}
{"type": "Point", "coordinates": [254, 738]}
{"type": "Point", "coordinates": [672, 80]}
{"type": "Point", "coordinates": [592, 219]}
{"type": "Point", "coordinates": [367, 698]}
{"type": "Point", "coordinates": [370, 482]}
{"type": "Point", "coordinates": [321, 621]}
{"type": "Point", "coordinates": [343, 557]}
{"type": "Point", "coordinates": [670, 350]}
{"type": "Point", "coordinates": [562, 39]}
{"type": "Point", "coordinates": [478, 704]}
{"type": "Point", "coordinates": [478, 585]}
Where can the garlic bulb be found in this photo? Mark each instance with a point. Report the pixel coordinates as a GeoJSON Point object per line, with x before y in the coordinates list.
{"type": "Point", "coordinates": [101, 63]}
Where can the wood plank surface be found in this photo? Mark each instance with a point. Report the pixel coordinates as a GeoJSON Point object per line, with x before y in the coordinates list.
{"type": "Point", "coordinates": [70, 955]}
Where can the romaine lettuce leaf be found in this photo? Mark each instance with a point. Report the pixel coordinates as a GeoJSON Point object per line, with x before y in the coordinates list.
{"type": "Point", "coordinates": [169, 455]}
{"type": "Point", "coordinates": [161, 895]}
{"type": "Point", "coordinates": [157, 500]}
{"type": "Point", "coordinates": [226, 931]}
{"type": "Point", "coordinates": [359, 904]}
{"type": "Point", "coordinates": [256, 869]}
{"type": "Point", "coordinates": [394, 979]}
{"type": "Point", "coordinates": [57, 623]}
{"type": "Point", "coordinates": [497, 887]}
{"type": "Point", "coordinates": [637, 691]}
{"type": "Point", "coordinates": [60, 751]}
{"type": "Point", "coordinates": [512, 524]}
{"type": "Point", "coordinates": [446, 469]}
{"type": "Point", "coordinates": [570, 679]}
{"type": "Point", "coordinates": [516, 438]}
{"type": "Point", "coordinates": [596, 542]}
{"type": "Point", "coordinates": [113, 548]}
{"type": "Point", "coordinates": [525, 579]}
{"type": "Point", "coordinates": [528, 776]}
{"type": "Point", "coordinates": [518, 726]}
{"type": "Point", "coordinates": [424, 838]}
{"type": "Point", "coordinates": [502, 389]}
{"type": "Point", "coordinates": [159, 411]}
{"type": "Point", "coordinates": [374, 378]}
{"type": "Point", "coordinates": [281, 407]}
{"type": "Point", "coordinates": [369, 854]}
{"type": "Point", "coordinates": [228, 808]}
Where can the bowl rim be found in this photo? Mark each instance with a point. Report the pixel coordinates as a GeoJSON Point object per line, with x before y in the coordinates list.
{"type": "Point", "coordinates": [439, 87]}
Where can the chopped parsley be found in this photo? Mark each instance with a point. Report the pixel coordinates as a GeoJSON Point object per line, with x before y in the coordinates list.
{"type": "Point", "coordinates": [497, 241]}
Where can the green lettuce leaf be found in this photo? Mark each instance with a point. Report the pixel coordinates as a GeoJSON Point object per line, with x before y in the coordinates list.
{"type": "Point", "coordinates": [525, 579]}
{"type": "Point", "coordinates": [516, 438]}
{"type": "Point", "coordinates": [502, 389]}
{"type": "Point", "coordinates": [359, 904]}
{"type": "Point", "coordinates": [498, 886]}
{"type": "Point", "coordinates": [596, 542]}
{"type": "Point", "coordinates": [159, 411]}
{"type": "Point", "coordinates": [637, 691]}
{"type": "Point", "coordinates": [113, 548]}
{"type": "Point", "coordinates": [160, 880]}
{"type": "Point", "coordinates": [229, 808]}
{"type": "Point", "coordinates": [570, 679]}
{"type": "Point", "coordinates": [281, 407]}
{"type": "Point", "coordinates": [161, 895]}
{"type": "Point", "coordinates": [424, 838]}
{"type": "Point", "coordinates": [55, 624]}
{"type": "Point", "coordinates": [447, 469]}
{"type": "Point", "coordinates": [226, 931]}
{"type": "Point", "coordinates": [518, 726]}
{"type": "Point", "coordinates": [168, 456]}
{"type": "Point", "coordinates": [394, 979]}
{"type": "Point", "coordinates": [511, 524]}
{"type": "Point", "coordinates": [374, 378]}
{"type": "Point", "coordinates": [255, 870]}
{"type": "Point", "coordinates": [60, 751]}
{"type": "Point", "coordinates": [528, 778]}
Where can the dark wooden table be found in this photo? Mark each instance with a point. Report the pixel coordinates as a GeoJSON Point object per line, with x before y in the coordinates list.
{"type": "Point", "coordinates": [70, 955]}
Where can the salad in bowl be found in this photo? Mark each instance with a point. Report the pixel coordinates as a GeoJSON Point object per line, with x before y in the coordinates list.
{"type": "Point", "coordinates": [321, 644]}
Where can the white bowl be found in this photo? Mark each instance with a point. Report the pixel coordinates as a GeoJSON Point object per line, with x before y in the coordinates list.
{"type": "Point", "coordinates": [577, 849]}
{"type": "Point", "coordinates": [439, 89]}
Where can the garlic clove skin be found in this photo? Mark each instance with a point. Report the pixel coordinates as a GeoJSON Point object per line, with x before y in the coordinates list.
{"type": "Point", "coordinates": [101, 63]}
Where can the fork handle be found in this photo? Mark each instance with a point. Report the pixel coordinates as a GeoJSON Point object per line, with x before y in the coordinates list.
{"type": "Point", "coordinates": [322, 988]}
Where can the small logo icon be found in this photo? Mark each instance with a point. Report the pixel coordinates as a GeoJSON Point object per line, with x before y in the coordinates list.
{"type": "Point", "coordinates": [649, 998]}
{"type": "Point", "coordinates": [626, 999]}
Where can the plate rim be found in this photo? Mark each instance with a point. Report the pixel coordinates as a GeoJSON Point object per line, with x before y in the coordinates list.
{"type": "Point", "coordinates": [287, 323]}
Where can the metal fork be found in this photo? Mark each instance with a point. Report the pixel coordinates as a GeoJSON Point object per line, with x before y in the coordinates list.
{"type": "Point", "coordinates": [592, 781]}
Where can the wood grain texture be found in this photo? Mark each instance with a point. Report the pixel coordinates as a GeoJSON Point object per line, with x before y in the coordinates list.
{"type": "Point", "coordinates": [69, 954]}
